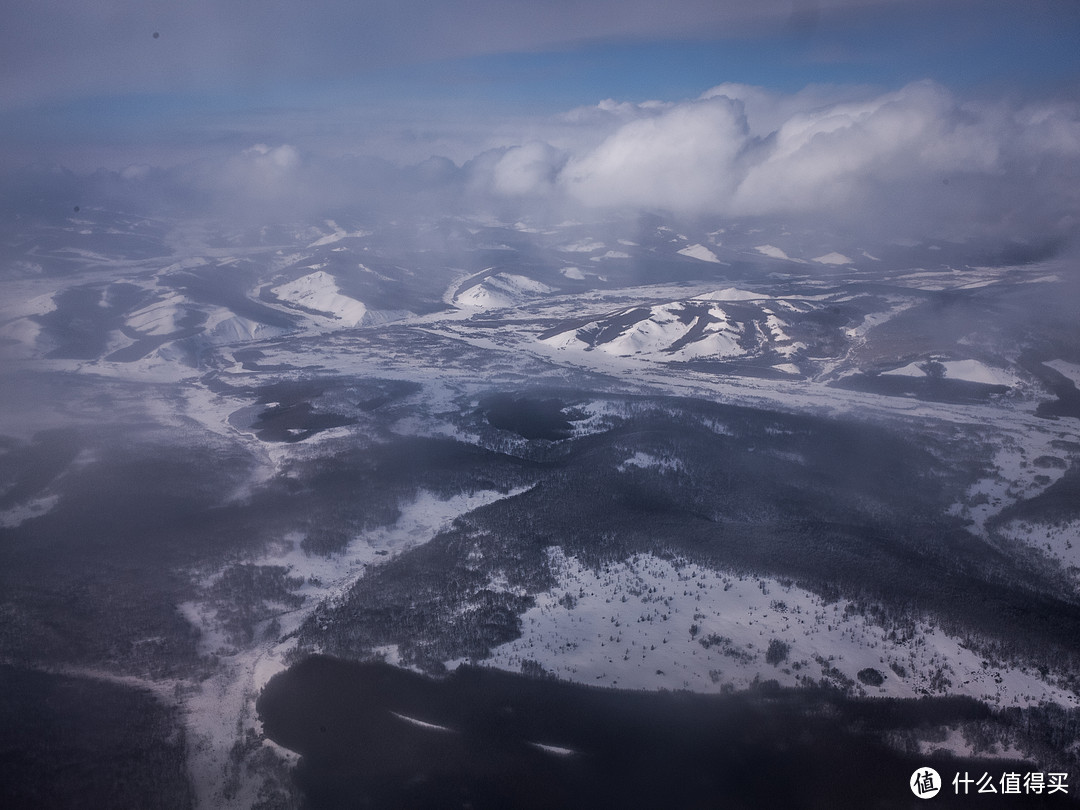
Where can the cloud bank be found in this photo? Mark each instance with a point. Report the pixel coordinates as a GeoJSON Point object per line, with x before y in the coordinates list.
{"type": "Point", "coordinates": [918, 162]}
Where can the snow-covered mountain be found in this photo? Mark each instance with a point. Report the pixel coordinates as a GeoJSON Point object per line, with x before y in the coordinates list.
{"type": "Point", "coordinates": [699, 328]}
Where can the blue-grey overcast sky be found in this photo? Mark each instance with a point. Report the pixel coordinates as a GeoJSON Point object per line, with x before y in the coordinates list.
{"type": "Point", "coordinates": [77, 78]}
{"type": "Point", "coordinates": [859, 110]}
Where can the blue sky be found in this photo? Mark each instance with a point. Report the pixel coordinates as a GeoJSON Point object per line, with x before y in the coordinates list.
{"type": "Point", "coordinates": [77, 80]}
{"type": "Point", "coordinates": [998, 47]}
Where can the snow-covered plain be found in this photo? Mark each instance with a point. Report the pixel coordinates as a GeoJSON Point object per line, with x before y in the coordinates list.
{"type": "Point", "coordinates": [650, 622]}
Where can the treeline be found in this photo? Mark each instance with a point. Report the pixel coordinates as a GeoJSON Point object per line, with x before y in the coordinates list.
{"type": "Point", "coordinates": [81, 742]}
{"type": "Point", "coordinates": [843, 508]}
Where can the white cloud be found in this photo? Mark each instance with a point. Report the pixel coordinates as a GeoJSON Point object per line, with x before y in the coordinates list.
{"type": "Point", "coordinates": [260, 172]}
{"type": "Point", "coordinates": [829, 157]}
{"type": "Point", "coordinates": [915, 161]}
{"type": "Point", "coordinates": [684, 158]}
{"type": "Point", "coordinates": [526, 169]}
{"type": "Point", "coordinates": [767, 110]}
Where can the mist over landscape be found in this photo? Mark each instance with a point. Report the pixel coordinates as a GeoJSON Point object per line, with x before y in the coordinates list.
{"type": "Point", "coordinates": [577, 405]}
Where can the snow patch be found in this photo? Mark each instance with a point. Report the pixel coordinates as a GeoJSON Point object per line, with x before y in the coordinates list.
{"type": "Point", "coordinates": [1014, 477]}
{"type": "Point", "coordinates": [833, 258]}
{"type": "Point", "coordinates": [557, 750]}
{"type": "Point", "coordinates": [966, 370]}
{"type": "Point", "coordinates": [17, 515]}
{"type": "Point", "coordinates": [159, 318]}
{"type": "Point", "coordinates": [975, 371]}
{"type": "Point", "coordinates": [699, 252]}
{"type": "Point", "coordinates": [583, 246]}
{"type": "Point", "coordinates": [1070, 370]}
{"type": "Point", "coordinates": [336, 234]}
{"type": "Point", "coordinates": [1059, 540]}
{"type": "Point", "coordinates": [732, 294]}
{"type": "Point", "coordinates": [422, 724]}
{"type": "Point", "coordinates": [774, 252]}
{"type": "Point", "coordinates": [23, 332]}
{"type": "Point", "coordinates": [225, 328]}
{"type": "Point", "coordinates": [874, 319]}
{"type": "Point", "coordinates": [647, 461]}
{"type": "Point", "coordinates": [722, 342]}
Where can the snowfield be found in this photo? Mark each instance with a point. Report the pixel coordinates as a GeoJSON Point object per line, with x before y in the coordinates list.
{"type": "Point", "coordinates": [651, 623]}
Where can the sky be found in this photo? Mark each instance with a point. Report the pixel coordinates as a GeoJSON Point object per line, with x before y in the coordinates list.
{"type": "Point", "coordinates": [959, 115]}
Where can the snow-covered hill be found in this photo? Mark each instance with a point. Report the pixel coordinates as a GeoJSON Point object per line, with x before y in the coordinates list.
{"type": "Point", "coordinates": [319, 292]}
{"type": "Point", "coordinates": [500, 291]}
{"type": "Point", "coordinates": [699, 328]}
